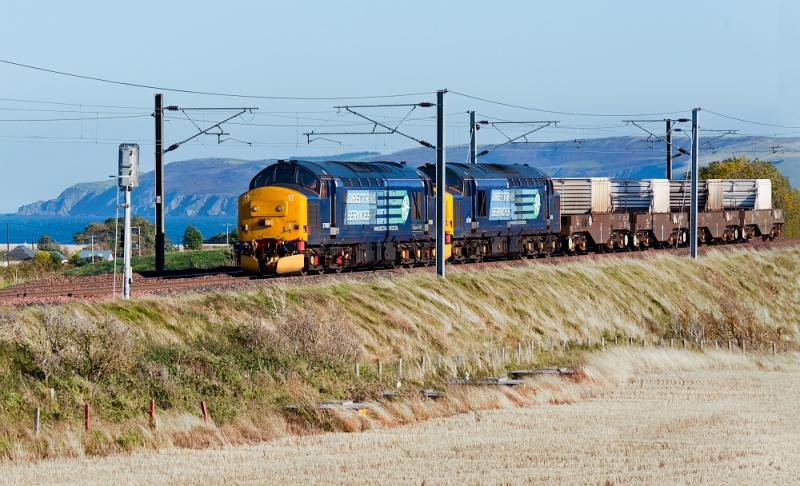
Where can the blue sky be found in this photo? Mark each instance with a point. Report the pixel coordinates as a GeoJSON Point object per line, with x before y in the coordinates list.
{"type": "Point", "coordinates": [621, 57]}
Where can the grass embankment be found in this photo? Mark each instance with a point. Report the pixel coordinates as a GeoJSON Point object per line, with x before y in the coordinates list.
{"type": "Point", "coordinates": [664, 417]}
{"type": "Point", "coordinates": [249, 354]}
{"type": "Point", "coordinates": [175, 261]}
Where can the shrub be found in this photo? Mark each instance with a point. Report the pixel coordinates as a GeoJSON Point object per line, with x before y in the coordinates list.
{"type": "Point", "coordinates": [92, 349]}
{"type": "Point", "coordinates": [307, 333]}
{"type": "Point", "coordinates": [734, 320]}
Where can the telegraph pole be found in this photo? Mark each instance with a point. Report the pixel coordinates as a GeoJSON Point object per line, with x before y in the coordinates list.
{"type": "Point", "coordinates": [669, 149]}
{"type": "Point", "coordinates": [8, 246]}
{"type": "Point", "coordinates": [441, 184]}
{"type": "Point", "coordinates": [160, 240]}
{"type": "Point", "coordinates": [693, 206]}
{"type": "Point", "coordinates": [473, 142]}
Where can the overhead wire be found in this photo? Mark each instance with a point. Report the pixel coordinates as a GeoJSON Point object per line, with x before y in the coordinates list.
{"type": "Point", "coordinates": [203, 93]}
{"type": "Point", "coordinates": [44, 102]}
{"type": "Point", "coordinates": [93, 118]}
{"type": "Point", "coordinates": [556, 112]}
{"type": "Point", "coordinates": [744, 120]}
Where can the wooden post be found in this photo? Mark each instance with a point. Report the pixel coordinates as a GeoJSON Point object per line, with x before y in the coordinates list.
{"type": "Point", "coordinates": [380, 369]}
{"type": "Point", "coordinates": [152, 414]}
{"type": "Point", "coordinates": [52, 394]}
{"type": "Point", "coordinates": [730, 346]}
{"type": "Point", "coordinates": [400, 368]}
{"type": "Point", "coordinates": [616, 340]}
{"type": "Point", "coordinates": [519, 352]}
{"type": "Point", "coordinates": [204, 410]}
{"type": "Point", "coordinates": [671, 343]}
{"type": "Point", "coordinates": [87, 417]}
{"type": "Point", "coordinates": [684, 343]}
{"type": "Point", "coordinates": [358, 369]}
{"type": "Point", "coordinates": [630, 341]}
{"type": "Point", "coordinates": [773, 349]}
{"type": "Point", "coordinates": [37, 420]}
{"type": "Point", "coordinates": [603, 343]}
{"type": "Point", "coordinates": [716, 344]}
{"type": "Point", "coordinates": [702, 345]}
{"type": "Point", "coordinates": [744, 347]}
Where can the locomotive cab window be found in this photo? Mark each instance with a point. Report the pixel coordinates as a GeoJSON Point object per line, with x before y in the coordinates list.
{"type": "Point", "coordinates": [307, 179]}
{"type": "Point", "coordinates": [264, 178]}
{"type": "Point", "coordinates": [284, 174]}
{"type": "Point", "coordinates": [454, 183]}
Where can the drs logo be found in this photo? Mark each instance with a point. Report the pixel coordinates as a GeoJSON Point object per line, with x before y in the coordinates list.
{"type": "Point", "coordinates": [379, 207]}
{"type": "Point", "coordinates": [514, 204]}
{"type": "Point", "coordinates": [360, 207]}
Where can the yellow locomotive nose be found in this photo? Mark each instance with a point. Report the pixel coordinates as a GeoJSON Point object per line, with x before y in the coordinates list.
{"type": "Point", "coordinates": [273, 229]}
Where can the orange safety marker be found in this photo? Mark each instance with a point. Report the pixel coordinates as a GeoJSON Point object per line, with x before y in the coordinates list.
{"type": "Point", "coordinates": [87, 417]}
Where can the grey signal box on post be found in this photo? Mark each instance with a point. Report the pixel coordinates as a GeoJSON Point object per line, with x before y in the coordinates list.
{"type": "Point", "coordinates": [128, 165]}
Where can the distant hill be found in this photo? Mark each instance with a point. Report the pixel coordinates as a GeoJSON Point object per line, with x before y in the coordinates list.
{"type": "Point", "coordinates": [209, 187]}
{"type": "Point", "coordinates": [199, 187]}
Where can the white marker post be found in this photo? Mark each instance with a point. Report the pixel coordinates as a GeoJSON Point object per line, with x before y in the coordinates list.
{"type": "Point", "coordinates": [128, 179]}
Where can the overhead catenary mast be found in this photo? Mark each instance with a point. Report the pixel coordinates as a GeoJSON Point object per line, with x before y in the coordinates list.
{"type": "Point", "coordinates": [215, 129]}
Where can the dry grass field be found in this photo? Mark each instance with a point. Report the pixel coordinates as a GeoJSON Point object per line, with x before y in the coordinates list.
{"type": "Point", "coordinates": [657, 416]}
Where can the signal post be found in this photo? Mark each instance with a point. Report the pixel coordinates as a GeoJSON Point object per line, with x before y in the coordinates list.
{"type": "Point", "coordinates": [128, 179]}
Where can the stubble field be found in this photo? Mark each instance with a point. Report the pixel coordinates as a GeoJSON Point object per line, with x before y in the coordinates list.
{"type": "Point", "coordinates": [659, 417]}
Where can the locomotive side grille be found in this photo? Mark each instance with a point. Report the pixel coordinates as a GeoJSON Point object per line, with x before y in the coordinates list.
{"type": "Point", "coordinates": [313, 216]}
{"type": "Point", "coordinates": [458, 215]}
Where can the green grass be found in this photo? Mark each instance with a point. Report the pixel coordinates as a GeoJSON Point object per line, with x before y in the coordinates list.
{"type": "Point", "coordinates": [250, 353]}
{"type": "Point", "coordinates": [185, 260]}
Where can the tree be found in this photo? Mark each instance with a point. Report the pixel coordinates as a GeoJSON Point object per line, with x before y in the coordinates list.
{"type": "Point", "coordinates": [219, 238]}
{"type": "Point", "coordinates": [47, 243]}
{"type": "Point", "coordinates": [784, 196]}
{"type": "Point", "coordinates": [104, 234]}
{"type": "Point", "coordinates": [42, 261]}
{"type": "Point", "coordinates": [192, 238]}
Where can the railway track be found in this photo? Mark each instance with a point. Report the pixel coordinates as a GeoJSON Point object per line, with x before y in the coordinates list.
{"type": "Point", "coordinates": [102, 286]}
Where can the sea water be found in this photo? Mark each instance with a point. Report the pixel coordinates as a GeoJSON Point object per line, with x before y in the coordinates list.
{"type": "Point", "coordinates": [23, 229]}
